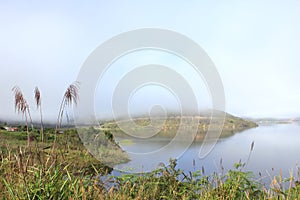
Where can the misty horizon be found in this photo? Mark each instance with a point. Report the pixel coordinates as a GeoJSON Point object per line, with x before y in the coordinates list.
{"type": "Point", "coordinates": [254, 49]}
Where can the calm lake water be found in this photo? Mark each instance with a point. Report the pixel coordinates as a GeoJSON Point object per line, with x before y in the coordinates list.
{"type": "Point", "coordinates": [276, 147]}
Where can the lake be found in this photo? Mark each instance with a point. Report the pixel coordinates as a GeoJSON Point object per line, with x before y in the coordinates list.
{"type": "Point", "coordinates": [276, 147]}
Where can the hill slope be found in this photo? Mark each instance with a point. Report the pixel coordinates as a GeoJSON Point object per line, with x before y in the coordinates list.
{"type": "Point", "coordinates": [172, 124]}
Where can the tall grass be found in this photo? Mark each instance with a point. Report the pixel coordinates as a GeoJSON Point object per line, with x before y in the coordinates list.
{"type": "Point", "coordinates": [38, 100]}
{"type": "Point", "coordinates": [70, 97]}
{"type": "Point", "coordinates": [22, 178]}
{"type": "Point", "coordinates": [22, 107]}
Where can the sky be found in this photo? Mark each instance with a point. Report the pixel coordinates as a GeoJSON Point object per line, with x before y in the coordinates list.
{"type": "Point", "coordinates": [254, 45]}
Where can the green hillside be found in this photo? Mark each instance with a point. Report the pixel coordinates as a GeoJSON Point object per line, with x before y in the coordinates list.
{"type": "Point", "coordinates": [172, 124]}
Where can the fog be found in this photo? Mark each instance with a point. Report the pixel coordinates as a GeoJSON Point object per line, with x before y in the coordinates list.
{"type": "Point", "coordinates": [253, 45]}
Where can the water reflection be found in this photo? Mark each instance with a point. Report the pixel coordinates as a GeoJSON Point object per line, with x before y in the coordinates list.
{"type": "Point", "coordinates": [276, 148]}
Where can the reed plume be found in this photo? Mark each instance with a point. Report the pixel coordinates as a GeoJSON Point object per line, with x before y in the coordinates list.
{"type": "Point", "coordinates": [38, 100]}
{"type": "Point", "coordinates": [70, 97]}
{"type": "Point", "coordinates": [37, 96]}
{"type": "Point", "coordinates": [22, 107]}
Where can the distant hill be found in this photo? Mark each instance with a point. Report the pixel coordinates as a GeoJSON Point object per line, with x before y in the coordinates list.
{"type": "Point", "coordinates": [35, 124]}
{"type": "Point", "coordinates": [232, 124]}
{"type": "Point", "coordinates": [275, 120]}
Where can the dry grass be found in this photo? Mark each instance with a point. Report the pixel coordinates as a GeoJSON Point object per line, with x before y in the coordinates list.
{"type": "Point", "coordinates": [70, 97]}
{"type": "Point", "coordinates": [22, 107]}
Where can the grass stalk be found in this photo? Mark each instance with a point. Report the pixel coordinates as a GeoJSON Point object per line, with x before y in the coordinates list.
{"type": "Point", "coordinates": [70, 97]}
{"type": "Point", "coordinates": [22, 107]}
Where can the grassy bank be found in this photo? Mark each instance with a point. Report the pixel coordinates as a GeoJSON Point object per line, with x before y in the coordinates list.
{"type": "Point", "coordinates": [29, 173]}
{"type": "Point", "coordinates": [69, 148]}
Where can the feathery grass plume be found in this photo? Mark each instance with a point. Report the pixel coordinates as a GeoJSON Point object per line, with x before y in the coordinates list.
{"type": "Point", "coordinates": [22, 107]}
{"type": "Point", "coordinates": [38, 100]}
{"type": "Point", "coordinates": [251, 150]}
{"type": "Point", "coordinates": [70, 97]}
{"type": "Point", "coordinates": [37, 96]}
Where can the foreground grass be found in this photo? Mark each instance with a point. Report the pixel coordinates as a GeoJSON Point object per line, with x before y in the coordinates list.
{"type": "Point", "coordinates": [171, 183]}
{"type": "Point", "coordinates": [25, 173]}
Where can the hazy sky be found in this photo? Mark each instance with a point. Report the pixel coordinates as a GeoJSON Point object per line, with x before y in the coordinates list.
{"type": "Point", "coordinates": [255, 46]}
